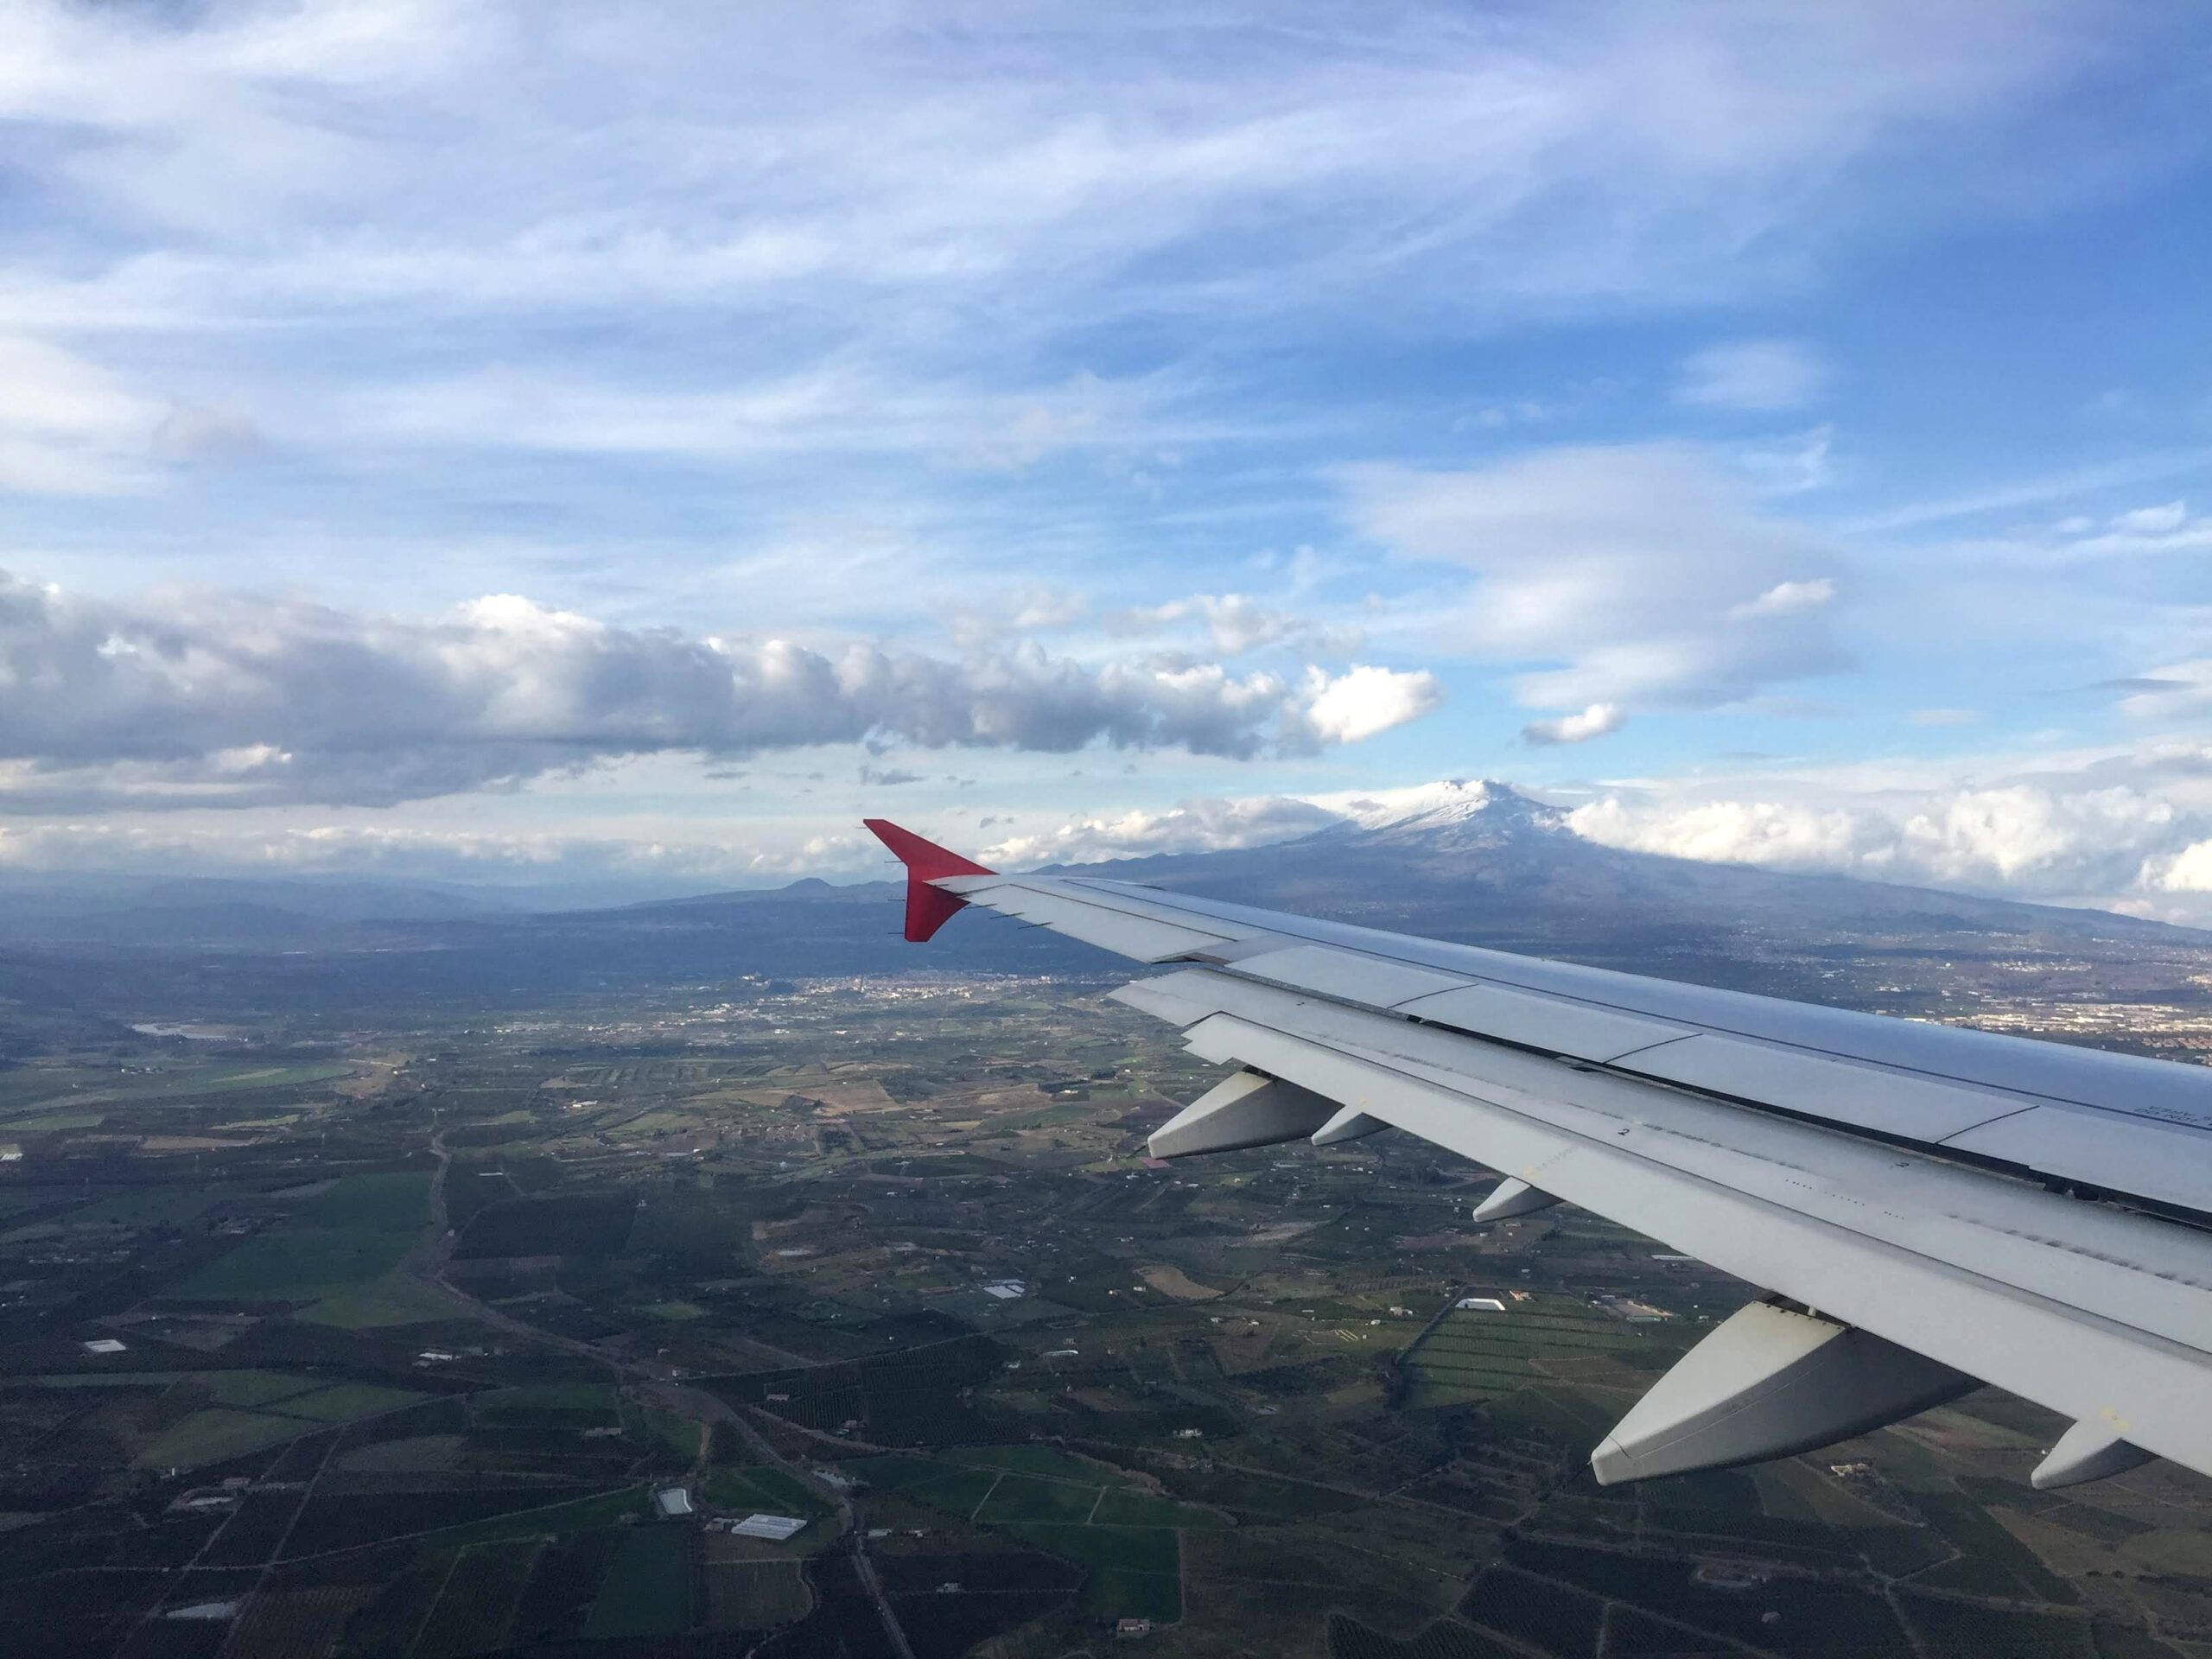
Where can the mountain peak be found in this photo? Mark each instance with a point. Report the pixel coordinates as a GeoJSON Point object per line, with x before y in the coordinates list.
{"type": "Point", "coordinates": [1440, 806]}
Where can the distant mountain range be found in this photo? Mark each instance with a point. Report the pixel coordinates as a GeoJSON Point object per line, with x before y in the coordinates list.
{"type": "Point", "coordinates": [1482, 859]}
{"type": "Point", "coordinates": [1478, 863]}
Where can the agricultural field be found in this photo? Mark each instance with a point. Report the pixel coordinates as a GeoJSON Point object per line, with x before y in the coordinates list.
{"type": "Point", "coordinates": [381, 1347]}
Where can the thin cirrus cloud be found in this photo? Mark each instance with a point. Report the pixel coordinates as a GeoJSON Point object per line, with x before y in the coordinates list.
{"type": "Point", "coordinates": [191, 699]}
{"type": "Point", "coordinates": [1759, 377]}
{"type": "Point", "coordinates": [1042, 152]}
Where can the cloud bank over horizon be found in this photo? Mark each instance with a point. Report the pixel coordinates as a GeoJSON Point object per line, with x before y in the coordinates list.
{"type": "Point", "coordinates": [194, 699]}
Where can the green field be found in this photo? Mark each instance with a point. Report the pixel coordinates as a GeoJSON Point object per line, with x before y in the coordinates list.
{"type": "Point", "coordinates": [1023, 1497]}
{"type": "Point", "coordinates": [393, 1299]}
{"type": "Point", "coordinates": [153, 1206]}
{"type": "Point", "coordinates": [648, 1590]}
{"type": "Point", "coordinates": [753, 1595]}
{"type": "Point", "coordinates": [1133, 1572]}
{"type": "Point", "coordinates": [1030, 1460]}
{"type": "Point", "coordinates": [759, 1487]}
{"type": "Point", "coordinates": [1480, 1355]}
{"type": "Point", "coordinates": [942, 1485]}
{"type": "Point", "coordinates": [249, 1388]}
{"type": "Point", "coordinates": [348, 1400]}
{"type": "Point", "coordinates": [349, 1237]}
{"type": "Point", "coordinates": [49, 1121]}
{"type": "Point", "coordinates": [417, 1454]}
{"type": "Point", "coordinates": [478, 1602]}
{"type": "Point", "coordinates": [578, 1515]}
{"type": "Point", "coordinates": [1128, 1540]}
{"type": "Point", "coordinates": [583, 1405]}
{"type": "Point", "coordinates": [211, 1436]}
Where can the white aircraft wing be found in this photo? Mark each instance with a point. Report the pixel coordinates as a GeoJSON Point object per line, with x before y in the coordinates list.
{"type": "Point", "coordinates": [1930, 1208]}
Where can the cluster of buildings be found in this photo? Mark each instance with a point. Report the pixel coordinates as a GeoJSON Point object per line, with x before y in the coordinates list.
{"type": "Point", "coordinates": [674, 1503]}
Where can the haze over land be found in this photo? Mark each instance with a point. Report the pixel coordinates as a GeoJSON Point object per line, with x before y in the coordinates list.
{"type": "Point", "coordinates": [371, 1255]}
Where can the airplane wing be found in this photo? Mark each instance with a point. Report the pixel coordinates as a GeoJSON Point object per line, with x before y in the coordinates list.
{"type": "Point", "coordinates": [1929, 1208]}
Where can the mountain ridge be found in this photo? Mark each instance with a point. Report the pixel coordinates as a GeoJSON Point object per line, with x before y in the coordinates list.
{"type": "Point", "coordinates": [1480, 836]}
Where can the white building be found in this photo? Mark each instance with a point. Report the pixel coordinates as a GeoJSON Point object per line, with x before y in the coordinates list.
{"type": "Point", "coordinates": [776, 1527]}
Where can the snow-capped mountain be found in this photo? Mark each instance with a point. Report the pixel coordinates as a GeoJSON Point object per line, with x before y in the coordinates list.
{"type": "Point", "coordinates": [1478, 861]}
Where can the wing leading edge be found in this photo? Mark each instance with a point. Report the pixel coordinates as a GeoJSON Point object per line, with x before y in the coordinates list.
{"type": "Point", "coordinates": [1911, 1195]}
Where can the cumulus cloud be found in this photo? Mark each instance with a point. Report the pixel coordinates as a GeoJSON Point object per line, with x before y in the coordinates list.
{"type": "Point", "coordinates": [2023, 840]}
{"type": "Point", "coordinates": [2189, 870]}
{"type": "Point", "coordinates": [1202, 825]}
{"type": "Point", "coordinates": [422, 853]}
{"type": "Point", "coordinates": [1648, 574]}
{"type": "Point", "coordinates": [1362, 701]}
{"type": "Point", "coordinates": [1756, 376]}
{"type": "Point", "coordinates": [196, 698]}
{"type": "Point", "coordinates": [1596, 721]}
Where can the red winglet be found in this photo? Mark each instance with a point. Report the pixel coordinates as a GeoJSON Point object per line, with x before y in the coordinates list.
{"type": "Point", "coordinates": [928, 908]}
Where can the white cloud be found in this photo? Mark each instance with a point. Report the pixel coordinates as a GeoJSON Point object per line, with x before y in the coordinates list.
{"type": "Point", "coordinates": [962, 184]}
{"type": "Point", "coordinates": [1758, 376]}
{"type": "Point", "coordinates": [418, 853]}
{"type": "Point", "coordinates": [1597, 721]}
{"type": "Point", "coordinates": [1789, 465]}
{"type": "Point", "coordinates": [2189, 870]}
{"type": "Point", "coordinates": [834, 408]}
{"type": "Point", "coordinates": [1203, 825]}
{"type": "Point", "coordinates": [1647, 572]}
{"type": "Point", "coordinates": [1362, 701]}
{"type": "Point", "coordinates": [69, 427]}
{"type": "Point", "coordinates": [2153, 521]}
{"type": "Point", "coordinates": [194, 699]}
{"type": "Point", "coordinates": [2177, 689]}
{"type": "Point", "coordinates": [1235, 623]}
{"type": "Point", "coordinates": [1943, 716]}
{"type": "Point", "coordinates": [2070, 842]}
{"type": "Point", "coordinates": [1787, 597]}
{"type": "Point", "coordinates": [2159, 532]}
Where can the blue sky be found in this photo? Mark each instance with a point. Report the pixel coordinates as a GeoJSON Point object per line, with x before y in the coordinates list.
{"type": "Point", "coordinates": [533, 441]}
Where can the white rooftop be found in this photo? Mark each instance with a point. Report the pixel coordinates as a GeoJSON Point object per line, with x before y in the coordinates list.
{"type": "Point", "coordinates": [672, 1501]}
{"type": "Point", "coordinates": [778, 1527]}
